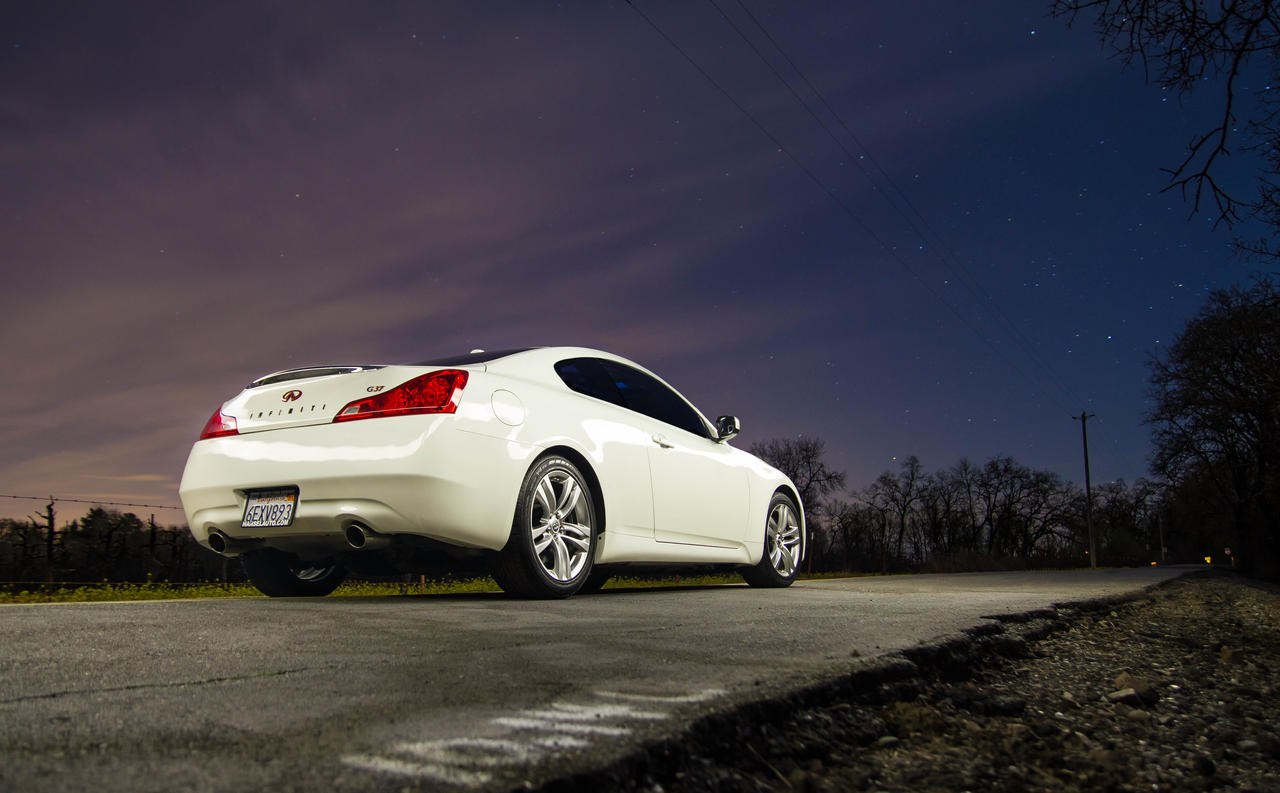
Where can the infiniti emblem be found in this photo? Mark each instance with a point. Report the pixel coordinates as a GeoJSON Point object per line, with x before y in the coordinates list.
{"type": "Point", "coordinates": [291, 396]}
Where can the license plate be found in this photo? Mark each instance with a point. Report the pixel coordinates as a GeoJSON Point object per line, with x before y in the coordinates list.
{"type": "Point", "coordinates": [270, 509]}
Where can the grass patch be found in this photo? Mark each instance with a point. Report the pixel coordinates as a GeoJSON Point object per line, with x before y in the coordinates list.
{"type": "Point", "coordinates": [665, 581]}
{"type": "Point", "coordinates": [417, 586]}
{"type": "Point", "coordinates": [71, 592]}
{"type": "Point", "coordinates": [27, 592]}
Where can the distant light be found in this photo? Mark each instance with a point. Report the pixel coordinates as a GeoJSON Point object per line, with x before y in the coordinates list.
{"type": "Point", "coordinates": [476, 352]}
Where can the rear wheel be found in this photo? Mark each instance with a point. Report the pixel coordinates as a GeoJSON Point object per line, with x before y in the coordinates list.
{"type": "Point", "coordinates": [553, 535]}
{"type": "Point", "coordinates": [783, 546]}
{"type": "Point", "coordinates": [279, 574]}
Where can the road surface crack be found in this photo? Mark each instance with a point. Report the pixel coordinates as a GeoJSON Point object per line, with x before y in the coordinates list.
{"type": "Point", "coordinates": [144, 686]}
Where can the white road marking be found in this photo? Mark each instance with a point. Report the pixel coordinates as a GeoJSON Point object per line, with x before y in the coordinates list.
{"type": "Point", "coordinates": [608, 712]}
{"type": "Point", "coordinates": [556, 728]}
{"type": "Point", "coordinates": [573, 728]}
{"type": "Point", "coordinates": [705, 695]}
{"type": "Point", "coordinates": [478, 751]}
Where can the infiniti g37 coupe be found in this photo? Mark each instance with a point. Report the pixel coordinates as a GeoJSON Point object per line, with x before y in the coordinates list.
{"type": "Point", "coordinates": [553, 467]}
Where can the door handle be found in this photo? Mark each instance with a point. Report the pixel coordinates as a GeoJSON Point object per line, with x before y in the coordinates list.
{"type": "Point", "coordinates": [661, 441]}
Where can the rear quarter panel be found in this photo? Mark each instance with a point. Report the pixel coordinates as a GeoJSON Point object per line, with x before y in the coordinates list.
{"type": "Point", "coordinates": [553, 416]}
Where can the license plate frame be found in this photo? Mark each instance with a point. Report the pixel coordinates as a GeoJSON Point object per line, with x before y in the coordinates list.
{"type": "Point", "coordinates": [270, 508]}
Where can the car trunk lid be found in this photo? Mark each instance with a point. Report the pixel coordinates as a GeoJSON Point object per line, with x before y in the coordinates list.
{"type": "Point", "coordinates": [302, 397]}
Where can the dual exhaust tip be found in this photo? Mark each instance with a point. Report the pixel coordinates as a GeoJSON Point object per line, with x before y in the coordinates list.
{"type": "Point", "coordinates": [223, 544]}
{"type": "Point", "coordinates": [363, 538]}
{"type": "Point", "coordinates": [358, 536]}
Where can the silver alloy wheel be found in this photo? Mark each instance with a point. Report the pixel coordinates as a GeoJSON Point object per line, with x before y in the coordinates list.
{"type": "Point", "coordinates": [783, 537]}
{"type": "Point", "coordinates": [560, 525]}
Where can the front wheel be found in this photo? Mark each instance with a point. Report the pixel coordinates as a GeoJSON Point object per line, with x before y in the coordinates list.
{"type": "Point", "coordinates": [279, 574]}
{"type": "Point", "coordinates": [783, 546]}
{"type": "Point", "coordinates": [553, 535]}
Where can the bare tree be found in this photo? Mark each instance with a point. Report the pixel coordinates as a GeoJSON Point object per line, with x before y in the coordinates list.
{"type": "Point", "coordinates": [897, 494]}
{"type": "Point", "coordinates": [1216, 417]}
{"type": "Point", "coordinates": [800, 458]}
{"type": "Point", "coordinates": [1186, 45]}
{"type": "Point", "coordinates": [946, 509]}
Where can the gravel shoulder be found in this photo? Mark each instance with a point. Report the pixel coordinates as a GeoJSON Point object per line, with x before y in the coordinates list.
{"type": "Point", "coordinates": [1177, 689]}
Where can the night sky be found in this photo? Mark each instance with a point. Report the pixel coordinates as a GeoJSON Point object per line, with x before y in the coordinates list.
{"type": "Point", "coordinates": [198, 194]}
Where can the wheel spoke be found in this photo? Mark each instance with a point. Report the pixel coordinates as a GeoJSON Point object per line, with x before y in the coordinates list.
{"type": "Point", "coordinates": [576, 530]}
{"type": "Point", "coordinates": [561, 567]}
{"type": "Point", "coordinates": [546, 496]}
{"type": "Point", "coordinates": [787, 561]}
{"type": "Point", "coordinates": [541, 538]}
{"type": "Point", "coordinates": [583, 543]}
{"type": "Point", "coordinates": [569, 498]}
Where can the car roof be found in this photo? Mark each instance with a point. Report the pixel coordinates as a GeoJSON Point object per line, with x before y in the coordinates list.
{"type": "Point", "coordinates": [525, 355]}
{"type": "Point", "coordinates": [473, 357]}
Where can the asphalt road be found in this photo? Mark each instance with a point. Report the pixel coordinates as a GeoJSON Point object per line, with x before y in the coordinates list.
{"type": "Point", "coordinates": [471, 692]}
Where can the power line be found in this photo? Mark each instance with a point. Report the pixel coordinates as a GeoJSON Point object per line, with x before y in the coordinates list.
{"type": "Point", "coordinates": [884, 246]}
{"type": "Point", "coordinates": [95, 502]}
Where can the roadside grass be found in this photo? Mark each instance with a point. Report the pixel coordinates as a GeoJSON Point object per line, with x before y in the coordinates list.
{"type": "Point", "coordinates": [75, 592]}
{"type": "Point", "coordinates": [78, 592]}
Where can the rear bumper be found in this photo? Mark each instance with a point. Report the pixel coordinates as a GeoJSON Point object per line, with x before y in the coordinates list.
{"type": "Point", "coordinates": [416, 475]}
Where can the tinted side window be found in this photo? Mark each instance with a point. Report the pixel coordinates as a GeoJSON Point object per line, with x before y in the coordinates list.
{"type": "Point", "coordinates": [586, 376]}
{"type": "Point", "coordinates": [646, 395]}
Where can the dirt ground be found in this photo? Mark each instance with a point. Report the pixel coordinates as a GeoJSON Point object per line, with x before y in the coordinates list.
{"type": "Point", "coordinates": [1177, 690]}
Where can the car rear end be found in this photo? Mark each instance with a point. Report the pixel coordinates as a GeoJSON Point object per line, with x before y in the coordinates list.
{"type": "Point", "coordinates": [322, 460]}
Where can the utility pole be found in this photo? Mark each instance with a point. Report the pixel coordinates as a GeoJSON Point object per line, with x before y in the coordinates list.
{"type": "Point", "coordinates": [1083, 418]}
{"type": "Point", "coordinates": [49, 537]}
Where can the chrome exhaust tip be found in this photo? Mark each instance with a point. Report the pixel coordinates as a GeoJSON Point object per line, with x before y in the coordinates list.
{"type": "Point", "coordinates": [363, 538]}
{"type": "Point", "coordinates": [219, 541]}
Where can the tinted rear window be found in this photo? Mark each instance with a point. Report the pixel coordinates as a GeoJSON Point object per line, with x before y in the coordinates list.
{"type": "Point", "coordinates": [629, 388]}
{"type": "Point", "coordinates": [647, 395]}
{"type": "Point", "coordinates": [586, 376]}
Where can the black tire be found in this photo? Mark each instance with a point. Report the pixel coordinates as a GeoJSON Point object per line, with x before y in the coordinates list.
{"type": "Point", "coordinates": [553, 534]}
{"type": "Point", "coordinates": [783, 545]}
{"type": "Point", "coordinates": [279, 574]}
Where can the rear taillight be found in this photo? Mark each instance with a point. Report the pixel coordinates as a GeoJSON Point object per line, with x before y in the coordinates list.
{"type": "Point", "coordinates": [219, 425]}
{"type": "Point", "coordinates": [437, 392]}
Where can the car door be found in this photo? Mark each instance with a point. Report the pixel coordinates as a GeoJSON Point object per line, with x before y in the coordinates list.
{"type": "Point", "coordinates": [699, 495]}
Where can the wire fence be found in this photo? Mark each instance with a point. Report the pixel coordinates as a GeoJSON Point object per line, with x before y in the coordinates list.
{"type": "Point", "coordinates": [97, 502]}
{"type": "Point", "coordinates": [107, 541]}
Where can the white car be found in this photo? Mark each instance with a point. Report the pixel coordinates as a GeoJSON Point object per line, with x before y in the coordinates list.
{"type": "Point", "coordinates": [554, 467]}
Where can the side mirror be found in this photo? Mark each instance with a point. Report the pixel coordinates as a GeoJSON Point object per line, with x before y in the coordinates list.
{"type": "Point", "coordinates": [727, 427]}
